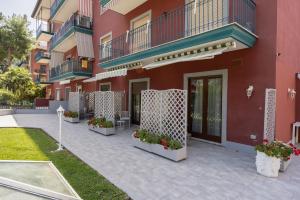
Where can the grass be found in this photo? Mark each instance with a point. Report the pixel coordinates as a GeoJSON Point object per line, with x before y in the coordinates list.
{"type": "Point", "coordinates": [34, 144]}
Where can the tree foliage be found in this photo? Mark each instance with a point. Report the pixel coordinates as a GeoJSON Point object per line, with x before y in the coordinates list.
{"type": "Point", "coordinates": [15, 39]}
{"type": "Point", "coordinates": [19, 82]}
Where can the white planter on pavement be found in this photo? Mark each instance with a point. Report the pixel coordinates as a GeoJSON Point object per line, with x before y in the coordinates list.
{"type": "Point", "coordinates": [71, 120]}
{"type": "Point", "coordinates": [175, 155]}
{"type": "Point", "coordinates": [103, 131]}
{"type": "Point", "coordinates": [266, 165]}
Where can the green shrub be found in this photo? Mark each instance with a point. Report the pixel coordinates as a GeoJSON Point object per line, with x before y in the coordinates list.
{"type": "Point", "coordinates": [71, 114]}
{"type": "Point", "coordinates": [7, 97]}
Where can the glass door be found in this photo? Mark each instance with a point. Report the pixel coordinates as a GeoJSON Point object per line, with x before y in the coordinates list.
{"type": "Point", "coordinates": [205, 108]}
{"type": "Point", "coordinates": [136, 91]}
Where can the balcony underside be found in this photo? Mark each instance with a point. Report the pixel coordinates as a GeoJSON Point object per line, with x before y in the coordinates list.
{"type": "Point", "coordinates": [42, 10]}
{"type": "Point", "coordinates": [123, 6]}
{"type": "Point", "coordinates": [72, 75]}
{"type": "Point", "coordinates": [66, 9]}
{"type": "Point", "coordinates": [233, 32]}
{"type": "Point", "coordinates": [44, 36]}
{"type": "Point", "coordinates": [68, 41]}
{"type": "Point", "coordinates": [43, 60]}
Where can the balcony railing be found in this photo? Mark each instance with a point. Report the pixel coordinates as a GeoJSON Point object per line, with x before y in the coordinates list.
{"type": "Point", "coordinates": [42, 55]}
{"type": "Point", "coordinates": [75, 21]}
{"type": "Point", "coordinates": [55, 6]}
{"type": "Point", "coordinates": [43, 28]}
{"type": "Point", "coordinates": [191, 19]}
{"type": "Point", "coordinates": [70, 66]}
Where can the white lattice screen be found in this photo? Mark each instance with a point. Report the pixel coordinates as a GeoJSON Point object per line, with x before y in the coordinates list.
{"type": "Point", "coordinates": [91, 101]}
{"type": "Point", "coordinates": [270, 114]}
{"type": "Point", "coordinates": [108, 104]}
{"type": "Point", "coordinates": [165, 112]}
{"type": "Point", "coordinates": [74, 102]}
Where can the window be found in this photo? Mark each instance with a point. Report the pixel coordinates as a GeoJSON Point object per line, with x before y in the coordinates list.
{"type": "Point", "coordinates": [67, 92]}
{"type": "Point", "coordinates": [105, 45]}
{"type": "Point", "coordinates": [105, 87]}
{"type": "Point", "coordinates": [140, 34]}
{"type": "Point", "coordinates": [79, 88]}
{"type": "Point", "coordinates": [57, 95]}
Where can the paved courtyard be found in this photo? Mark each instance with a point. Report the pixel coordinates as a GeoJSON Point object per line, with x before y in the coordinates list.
{"type": "Point", "coordinates": [210, 172]}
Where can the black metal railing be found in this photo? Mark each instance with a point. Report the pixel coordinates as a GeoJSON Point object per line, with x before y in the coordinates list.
{"type": "Point", "coordinates": [76, 20]}
{"type": "Point", "coordinates": [42, 55]}
{"type": "Point", "coordinates": [71, 66]}
{"type": "Point", "coordinates": [55, 6]}
{"type": "Point", "coordinates": [42, 28]}
{"type": "Point", "coordinates": [189, 20]}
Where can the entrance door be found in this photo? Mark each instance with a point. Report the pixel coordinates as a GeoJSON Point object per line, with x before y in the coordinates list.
{"type": "Point", "coordinates": [205, 108]}
{"type": "Point", "coordinates": [57, 94]}
{"type": "Point", "coordinates": [136, 91]}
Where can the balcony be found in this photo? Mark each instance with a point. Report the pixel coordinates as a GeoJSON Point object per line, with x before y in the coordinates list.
{"type": "Point", "coordinates": [65, 38]}
{"type": "Point", "coordinates": [190, 27]}
{"type": "Point", "coordinates": [42, 57]}
{"type": "Point", "coordinates": [121, 6]}
{"type": "Point", "coordinates": [62, 10]}
{"type": "Point", "coordinates": [71, 69]}
{"type": "Point", "coordinates": [43, 33]}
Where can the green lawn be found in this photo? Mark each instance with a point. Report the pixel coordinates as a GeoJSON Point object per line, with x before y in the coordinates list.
{"type": "Point", "coordinates": [34, 144]}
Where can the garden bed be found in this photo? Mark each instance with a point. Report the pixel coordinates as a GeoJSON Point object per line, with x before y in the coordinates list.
{"type": "Point", "coordinates": [103, 131]}
{"type": "Point", "coordinates": [161, 150]}
{"type": "Point", "coordinates": [71, 120]}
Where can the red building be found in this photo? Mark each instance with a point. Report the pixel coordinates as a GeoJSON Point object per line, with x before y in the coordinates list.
{"type": "Point", "coordinates": [225, 53]}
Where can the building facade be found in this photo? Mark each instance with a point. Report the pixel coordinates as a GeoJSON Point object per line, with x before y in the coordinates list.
{"type": "Point", "coordinates": [225, 53]}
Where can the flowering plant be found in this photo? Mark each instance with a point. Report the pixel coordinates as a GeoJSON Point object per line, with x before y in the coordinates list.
{"type": "Point", "coordinates": [100, 123]}
{"type": "Point", "coordinates": [278, 149]}
{"type": "Point", "coordinates": [166, 141]}
{"type": "Point", "coordinates": [71, 114]}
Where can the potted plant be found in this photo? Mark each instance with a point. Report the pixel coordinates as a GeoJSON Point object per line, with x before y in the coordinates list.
{"type": "Point", "coordinates": [160, 144]}
{"type": "Point", "coordinates": [72, 117]}
{"type": "Point", "coordinates": [272, 157]}
{"type": "Point", "coordinates": [102, 126]}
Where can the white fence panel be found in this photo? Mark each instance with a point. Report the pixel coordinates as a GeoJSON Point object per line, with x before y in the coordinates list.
{"type": "Point", "coordinates": [165, 112]}
{"type": "Point", "coordinates": [108, 104]}
{"type": "Point", "coordinates": [74, 102]}
{"type": "Point", "coordinates": [270, 114]}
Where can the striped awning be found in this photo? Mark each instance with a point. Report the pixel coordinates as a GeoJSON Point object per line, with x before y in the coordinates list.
{"type": "Point", "coordinates": [84, 44]}
{"type": "Point", "coordinates": [198, 54]}
{"type": "Point", "coordinates": [56, 59]}
{"type": "Point", "coordinates": [105, 75]}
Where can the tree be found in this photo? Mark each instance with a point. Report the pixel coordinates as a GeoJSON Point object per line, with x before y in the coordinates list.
{"type": "Point", "coordinates": [15, 40]}
{"type": "Point", "coordinates": [19, 82]}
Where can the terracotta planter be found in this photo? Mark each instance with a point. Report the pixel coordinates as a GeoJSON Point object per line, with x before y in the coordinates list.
{"type": "Point", "coordinates": [175, 155]}
{"type": "Point", "coordinates": [267, 166]}
{"type": "Point", "coordinates": [103, 131]}
{"type": "Point", "coordinates": [71, 120]}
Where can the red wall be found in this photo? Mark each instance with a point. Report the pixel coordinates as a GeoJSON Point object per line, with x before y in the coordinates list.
{"type": "Point", "coordinates": [255, 66]}
{"type": "Point", "coordinates": [287, 65]}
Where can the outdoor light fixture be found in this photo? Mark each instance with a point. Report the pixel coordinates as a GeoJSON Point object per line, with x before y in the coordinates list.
{"type": "Point", "coordinates": [60, 112]}
{"type": "Point", "coordinates": [292, 93]}
{"type": "Point", "coordinates": [249, 91]}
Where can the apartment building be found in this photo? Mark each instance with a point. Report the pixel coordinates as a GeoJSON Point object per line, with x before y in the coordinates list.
{"type": "Point", "coordinates": [236, 58]}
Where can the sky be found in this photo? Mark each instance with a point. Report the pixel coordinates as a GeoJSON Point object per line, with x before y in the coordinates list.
{"type": "Point", "coordinates": [21, 7]}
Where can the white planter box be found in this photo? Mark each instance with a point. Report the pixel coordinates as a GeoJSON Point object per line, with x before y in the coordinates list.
{"type": "Point", "coordinates": [175, 155]}
{"type": "Point", "coordinates": [284, 165]}
{"type": "Point", "coordinates": [71, 120]}
{"type": "Point", "coordinates": [267, 166]}
{"type": "Point", "coordinates": [103, 131]}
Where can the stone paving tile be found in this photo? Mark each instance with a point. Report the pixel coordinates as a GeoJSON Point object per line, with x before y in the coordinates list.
{"type": "Point", "coordinates": [210, 172]}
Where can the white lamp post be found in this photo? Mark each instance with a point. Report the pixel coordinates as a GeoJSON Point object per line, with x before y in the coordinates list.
{"type": "Point", "coordinates": [60, 112]}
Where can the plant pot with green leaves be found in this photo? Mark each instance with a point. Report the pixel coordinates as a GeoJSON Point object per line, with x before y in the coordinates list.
{"type": "Point", "coordinates": [160, 144]}
{"type": "Point", "coordinates": [72, 117]}
{"type": "Point", "coordinates": [274, 156]}
{"type": "Point", "coordinates": [102, 126]}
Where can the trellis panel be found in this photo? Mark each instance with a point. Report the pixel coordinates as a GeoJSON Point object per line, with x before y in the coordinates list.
{"type": "Point", "coordinates": [108, 104]}
{"type": "Point", "coordinates": [74, 102]}
{"type": "Point", "coordinates": [165, 112]}
{"type": "Point", "coordinates": [270, 114]}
